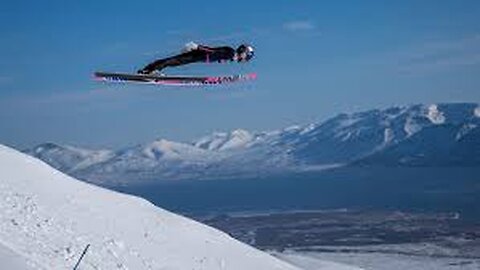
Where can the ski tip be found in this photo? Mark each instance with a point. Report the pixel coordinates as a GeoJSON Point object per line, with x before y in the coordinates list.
{"type": "Point", "coordinates": [97, 77]}
{"type": "Point", "coordinates": [252, 76]}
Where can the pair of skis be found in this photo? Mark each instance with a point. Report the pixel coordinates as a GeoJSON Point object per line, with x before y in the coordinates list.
{"type": "Point", "coordinates": [171, 80]}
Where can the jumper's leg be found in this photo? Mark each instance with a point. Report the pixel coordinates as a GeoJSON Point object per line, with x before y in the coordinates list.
{"type": "Point", "coordinates": [178, 60]}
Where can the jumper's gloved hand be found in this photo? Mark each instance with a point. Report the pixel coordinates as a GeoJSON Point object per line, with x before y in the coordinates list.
{"type": "Point", "coordinates": [190, 46]}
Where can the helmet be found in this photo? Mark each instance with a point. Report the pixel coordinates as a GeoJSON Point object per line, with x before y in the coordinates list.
{"type": "Point", "coordinates": [245, 52]}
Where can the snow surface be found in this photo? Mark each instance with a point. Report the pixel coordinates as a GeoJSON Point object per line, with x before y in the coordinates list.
{"type": "Point", "coordinates": [222, 141]}
{"type": "Point", "coordinates": [464, 131]}
{"type": "Point", "coordinates": [47, 219]}
{"type": "Point", "coordinates": [307, 129]}
{"type": "Point", "coordinates": [388, 135]}
{"type": "Point", "coordinates": [435, 116]}
{"type": "Point", "coordinates": [212, 142]}
{"type": "Point", "coordinates": [238, 139]}
{"type": "Point", "coordinates": [411, 127]}
{"type": "Point", "coordinates": [311, 262]}
{"type": "Point", "coordinates": [171, 150]}
{"type": "Point", "coordinates": [11, 260]}
{"type": "Point", "coordinates": [380, 261]}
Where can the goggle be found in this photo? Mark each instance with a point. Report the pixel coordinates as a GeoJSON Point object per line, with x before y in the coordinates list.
{"type": "Point", "coordinates": [247, 55]}
{"type": "Point", "coordinates": [250, 55]}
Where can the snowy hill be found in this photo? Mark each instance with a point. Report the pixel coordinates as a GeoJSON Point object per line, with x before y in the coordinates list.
{"type": "Point", "coordinates": [47, 219]}
{"type": "Point", "coordinates": [417, 135]}
{"type": "Point", "coordinates": [223, 141]}
{"type": "Point", "coordinates": [444, 145]}
{"type": "Point", "coordinates": [67, 158]}
{"type": "Point", "coordinates": [452, 140]}
{"type": "Point", "coordinates": [11, 260]}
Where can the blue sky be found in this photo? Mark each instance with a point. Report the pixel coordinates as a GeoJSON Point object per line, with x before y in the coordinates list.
{"type": "Point", "coordinates": [314, 59]}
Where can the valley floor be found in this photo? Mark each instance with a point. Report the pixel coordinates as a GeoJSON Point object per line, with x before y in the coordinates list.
{"type": "Point", "coordinates": [367, 239]}
{"type": "Point", "coordinates": [369, 260]}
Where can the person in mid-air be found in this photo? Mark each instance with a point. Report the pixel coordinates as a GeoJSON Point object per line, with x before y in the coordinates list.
{"type": "Point", "coordinates": [194, 53]}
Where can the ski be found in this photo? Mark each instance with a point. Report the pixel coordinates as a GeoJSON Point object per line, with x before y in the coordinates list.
{"type": "Point", "coordinates": [171, 80]}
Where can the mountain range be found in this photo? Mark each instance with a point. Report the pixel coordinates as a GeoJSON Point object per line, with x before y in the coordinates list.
{"type": "Point", "coordinates": [445, 134]}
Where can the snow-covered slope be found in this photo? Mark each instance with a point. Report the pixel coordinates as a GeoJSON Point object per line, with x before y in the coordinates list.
{"type": "Point", "coordinates": [226, 141]}
{"type": "Point", "coordinates": [47, 219]}
{"type": "Point", "coordinates": [11, 260]}
{"type": "Point", "coordinates": [443, 145]}
{"type": "Point", "coordinates": [68, 158]}
{"type": "Point", "coordinates": [394, 134]}
{"type": "Point", "coordinates": [161, 159]}
{"type": "Point", "coordinates": [452, 138]}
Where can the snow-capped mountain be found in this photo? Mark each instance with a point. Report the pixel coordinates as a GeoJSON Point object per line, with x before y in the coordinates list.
{"type": "Point", "coordinates": [47, 219]}
{"type": "Point", "coordinates": [349, 137]}
{"type": "Point", "coordinates": [226, 141]}
{"type": "Point", "coordinates": [68, 158]}
{"type": "Point", "coordinates": [160, 159]}
{"type": "Point", "coordinates": [405, 136]}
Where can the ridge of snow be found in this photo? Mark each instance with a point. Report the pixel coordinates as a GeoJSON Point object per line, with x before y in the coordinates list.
{"type": "Point", "coordinates": [411, 127]}
{"type": "Point", "coordinates": [434, 115]}
{"type": "Point", "coordinates": [77, 150]}
{"type": "Point", "coordinates": [221, 141]}
{"type": "Point", "coordinates": [70, 158]}
{"type": "Point", "coordinates": [292, 128]}
{"type": "Point", "coordinates": [349, 121]}
{"type": "Point", "coordinates": [170, 150]}
{"type": "Point", "coordinates": [388, 136]}
{"type": "Point", "coordinates": [43, 147]}
{"type": "Point", "coordinates": [307, 129]}
{"type": "Point", "coordinates": [51, 217]}
{"type": "Point", "coordinates": [476, 112]}
{"type": "Point", "coordinates": [464, 131]}
{"type": "Point", "coordinates": [211, 142]}
{"type": "Point", "coordinates": [238, 138]}
{"type": "Point", "coordinates": [94, 158]}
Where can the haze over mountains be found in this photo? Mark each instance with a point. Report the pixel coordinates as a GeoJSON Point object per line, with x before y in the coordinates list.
{"type": "Point", "coordinates": [417, 135]}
